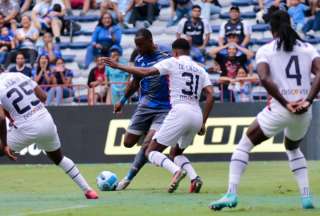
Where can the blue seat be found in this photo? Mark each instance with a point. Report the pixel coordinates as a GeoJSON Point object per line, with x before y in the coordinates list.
{"type": "Point", "coordinates": [263, 41]}
{"type": "Point", "coordinates": [79, 45]}
{"type": "Point", "coordinates": [63, 45]}
{"type": "Point", "coordinates": [130, 31]}
{"type": "Point", "coordinates": [260, 27]}
{"type": "Point", "coordinates": [87, 18]}
{"type": "Point", "coordinates": [241, 3]}
{"type": "Point", "coordinates": [313, 40]}
{"type": "Point", "coordinates": [255, 2]}
{"type": "Point", "coordinates": [69, 58]}
{"type": "Point", "coordinates": [78, 33]}
{"type": "Point", "coordinates": [213, 42]}
{"type": "Point", "coordinates": [244, 15]}
{"type": "Point", "coordinates": [215, 28]}
{"type": "Point", "coordinates": [86, 32]}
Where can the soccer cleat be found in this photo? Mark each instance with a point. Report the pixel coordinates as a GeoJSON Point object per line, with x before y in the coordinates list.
{"type": "Point", "coordinates": [178, 176]}
{"type": "Point", "coordinates": [196, 185]}
{"type": "Point", "coordinates": [228, 200]}
{"type": "Point", "coordinates": [123, 184]}
{"type": "Point", "coordinates": [307, 202]}
{"type": "Point", "coordinates": [91, 194]}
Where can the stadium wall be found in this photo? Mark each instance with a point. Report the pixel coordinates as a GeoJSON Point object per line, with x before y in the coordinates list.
{"type": "Point", "coordinates": [93, 134]}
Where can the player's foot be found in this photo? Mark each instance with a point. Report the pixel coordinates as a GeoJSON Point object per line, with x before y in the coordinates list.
{"type": "Point", "coordinates": [178, 176]}
{"type": "Point", "coordinates": [91, 194]}
{"type": "Point", "coordinates": [307, 202]}
{"type": "Point", "coordinates": [228, 200]}
{"type": "Point", "coordinates": [123, 184]}
{"type": "Point", "coordinates": [196, 185]}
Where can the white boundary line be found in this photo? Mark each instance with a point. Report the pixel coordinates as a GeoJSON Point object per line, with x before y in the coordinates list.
{"type": "Point", "coordinates": [52, 210]}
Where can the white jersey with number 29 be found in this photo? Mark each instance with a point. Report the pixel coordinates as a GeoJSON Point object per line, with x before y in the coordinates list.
{"type": "Point", "coordinates": [186, 79]}
{"type": "Point", "coordinates": [291, 71]}
{"type": "Point", "coordinates": [17, 97]}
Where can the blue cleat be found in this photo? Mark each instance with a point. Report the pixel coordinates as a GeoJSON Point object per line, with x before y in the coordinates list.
{"type": "Point", "coordinates": [228, 200]}
{"type": "Point", "coordinates": [307, 202]}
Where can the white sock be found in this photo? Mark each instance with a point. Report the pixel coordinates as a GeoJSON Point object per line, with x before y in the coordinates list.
{"type": "Point", "coordinates": [183, 162]}
{"type": "Point", "coordinates": [71, 169]}
{"type": "Point", "coordinates": [298, 166]}
{"type": "Point", "coordinates": [161, 160]}
{"type": "Point", "coordinates": [239, 162]}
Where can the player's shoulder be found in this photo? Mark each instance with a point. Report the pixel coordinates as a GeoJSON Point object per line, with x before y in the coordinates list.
{"type": "Point", "coordinates": [267, 49]}
{"type": "Point", "coordinates": [304, 46]}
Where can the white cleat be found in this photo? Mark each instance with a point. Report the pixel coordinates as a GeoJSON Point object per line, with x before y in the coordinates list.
{"type": "Point", "coordinates": [123, 184]}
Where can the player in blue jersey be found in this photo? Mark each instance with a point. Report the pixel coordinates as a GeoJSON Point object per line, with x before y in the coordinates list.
{"type": "Point", "coordinates": [153, 105]}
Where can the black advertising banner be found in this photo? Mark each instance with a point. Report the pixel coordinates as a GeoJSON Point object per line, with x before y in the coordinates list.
{"type": "Point", "coordinates": [93, 134]}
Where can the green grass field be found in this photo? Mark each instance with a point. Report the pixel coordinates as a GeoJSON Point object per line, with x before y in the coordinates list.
{"type": "Point", "coordinates": [267, 188]}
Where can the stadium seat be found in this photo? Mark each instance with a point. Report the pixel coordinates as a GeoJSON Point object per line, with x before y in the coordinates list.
{"type": "Point", "coordinates": [79, 45]}
{"type": "Point", "coordinates": [259, 93]}
{"type": "Point", "coordinates": [262, 41]}
{"type": "Point", "coordinates": [86, 18]}
{"type": "Point", "coordinates": [129, 31]}
{"type": "Point", "coordinates": [241, 3]}
{"type": "Point", "coordinates": [244, 15]}
{"type": "Point", "coordinates": [69, 58]}
{"type": "Point", "coordinates": [313, 41]}
{"type": "Point", "coordinates": [86, 32]}
{"type": "Point", "coordinates": [260, 27]}
{"type": "Point", "coordinates": [64, 45]}
{"type": "Point", "coordinates": [215, 28]}
{"type": "Point", "coordinates": [213, 42]}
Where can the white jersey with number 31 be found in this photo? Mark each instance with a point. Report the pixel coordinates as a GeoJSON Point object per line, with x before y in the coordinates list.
{"type": "Point", "coordinates": [186, 79]}
{"type": "Point", "coordinates": [291, 71]}
{"type": "Point", "coordinates": [18, 98]}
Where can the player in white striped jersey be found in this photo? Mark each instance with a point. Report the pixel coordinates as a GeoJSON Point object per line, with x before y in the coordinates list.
{"type": "Point", "coordinates": [21, 100]}
{"type": "Point", "coordinates": [186, 82]}
{"type": "Point", "coordinates": [284, 66]}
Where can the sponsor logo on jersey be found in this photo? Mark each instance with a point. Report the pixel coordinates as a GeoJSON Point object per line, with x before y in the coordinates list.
{"type": "Point", "coordinates": [222, 135]}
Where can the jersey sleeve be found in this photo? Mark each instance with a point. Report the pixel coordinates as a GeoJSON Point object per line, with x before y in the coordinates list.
{"type": "Point", "coordinates": [164, 66]}
{"type": "Point", "coordinates": [32, 83]}
{"type": "Point", "coordinates": [313, 53]}
{"type": "Point", "coordinates": [261, 56]}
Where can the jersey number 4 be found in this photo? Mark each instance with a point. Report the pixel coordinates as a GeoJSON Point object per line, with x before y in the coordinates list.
{"type": "Point", "coordinates": [294, 61]}
{"type": "Point", "coordinates": [20, 93]}
{"type": "Point", "coordinates": [193, 89]}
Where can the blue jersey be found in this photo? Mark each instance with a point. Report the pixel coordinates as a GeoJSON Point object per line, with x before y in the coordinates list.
{"type": "Point", "coordinates": [154, 90]}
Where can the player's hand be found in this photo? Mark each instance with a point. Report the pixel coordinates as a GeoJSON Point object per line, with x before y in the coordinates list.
{"type": "Point", "coordinates": [8, 152]}
{"type": "Point", "coordinates": [292, 106]}
{"type": "Point", "coordinates": [110, 62]}
{"type": "Point", "coordinates": [303, 107]}
{"type": "Point", "coordinates": [202, 130]}
{"type": "Point", "coordinates": [117, 108]}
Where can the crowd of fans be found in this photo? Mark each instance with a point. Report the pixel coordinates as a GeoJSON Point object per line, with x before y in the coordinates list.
{"type": "Point", "coordinates": [30, 37]}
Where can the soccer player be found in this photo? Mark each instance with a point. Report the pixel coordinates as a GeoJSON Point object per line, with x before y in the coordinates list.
{"type": "Point", "coordinates": [284, 67]}
{"type": "Point", "coordinates": [22, 101]}
{"type": "Point", "coordinates": [186, 82]}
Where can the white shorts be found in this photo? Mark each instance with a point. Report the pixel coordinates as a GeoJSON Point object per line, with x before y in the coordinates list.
{"type": "Point", "coordinates": [275, 119]}
{"type": "Point", "coordinates": [180, 126]}
{"type": "Point", "coordinates": [42, 132]}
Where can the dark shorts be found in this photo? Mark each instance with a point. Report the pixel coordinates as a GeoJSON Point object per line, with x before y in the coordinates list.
{"type": "Point", "coordinates": [145, 119]}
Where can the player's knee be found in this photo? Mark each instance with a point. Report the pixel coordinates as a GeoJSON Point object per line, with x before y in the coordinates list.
{"type": "Point", "coordinates": [291, 145]}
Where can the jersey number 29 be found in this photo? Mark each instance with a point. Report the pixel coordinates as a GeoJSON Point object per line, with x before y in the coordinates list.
{"type": "Point", "coordinates": [294, 61]}
{"type": "Point", "coordinates": [20, 93]}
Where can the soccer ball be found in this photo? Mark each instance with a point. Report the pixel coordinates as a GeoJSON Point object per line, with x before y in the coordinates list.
{"type": "Point", "coordinates": [107, 181]}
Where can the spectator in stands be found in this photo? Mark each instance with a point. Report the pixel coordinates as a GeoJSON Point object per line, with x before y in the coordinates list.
{"type": "Point", "coordinates": [77, 4]}
{"type": "Point", "coordinates": [26, 38]}
{"type": "Point", "coordinates": [267, 7]}
{"type": "Point", "coordinates": [111, 7]}
{"type": "Point", "coordinates": [48, 16]}
{"type": "Point", "coordinates": [7, 43]}
{"type": "Point", "coordinates": [230, 63]}
{"type": "Point", "coordinates": [235, 24]}
{"type": "Point", "coordinates": [42, 73]}
{"type": "Point", "coordinates": [144, 12]}
{"type": "Point", "coordinates": [297, 13]}
{"type": "Point", "coordinates": [25, 5]}
{"type": "Point", "coordinates": [179, 9]}
{"type": "Point", "coordinates": [197, 32]}
{"type": "Point", "coordinates": [10, 9]}
{"type": "Point", "coordinates": [209, 8]}
{"type": "Point", "coordinates": [21, 65]}
{"type": "Point", "coordinates": [313, 24]}
{"type": "Point", "coordinates": [63, 79]}
{"type": "Point", "coordinates": [106, 35]}
{"type": "Point", "coordinates": [241, 86]}
{"type": "Point", "coordinates": [47, 47]}
{"type": "Point", "coordinates": [97, 82]}
{"type": "Point", "coordinates": [117, 79]}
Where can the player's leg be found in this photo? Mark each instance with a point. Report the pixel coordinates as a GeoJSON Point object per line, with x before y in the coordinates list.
{"type": "Point", "coordinates": [72, 171]}
{"type": "Point", "coordinates": [297, 162]}
{"type": "Point", "coordinates": [176, 154]}
{"type": "Point", "coordinates": [139, 161]}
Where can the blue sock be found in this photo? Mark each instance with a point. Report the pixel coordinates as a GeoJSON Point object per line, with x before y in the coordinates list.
{"type": "Point", "coordinates": [139, 161]}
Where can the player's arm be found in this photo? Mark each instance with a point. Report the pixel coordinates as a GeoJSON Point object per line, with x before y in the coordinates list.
{"type": "Point", "coordinates": [3, 136]}
{"type": "Point", "coordinates": [272, 89]}
{"type": "Point", "coordinates": [137, 71]}
{"type": "Point", "coordinates": [40, 94]}
{"type": "Point", "coordinates": [208, 92]}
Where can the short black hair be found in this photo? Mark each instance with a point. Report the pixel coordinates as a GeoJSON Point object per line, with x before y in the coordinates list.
{"type": "Point", "coordinates": [236, 8]}
{"type": "Point", "coordinates": [21, 53]}
{"type": "Point", "coordinates": [181, 44]}
{"type": "Point", "coordinates": [196, 6]}
{"type": "Point", "coordinates": [145, 33]}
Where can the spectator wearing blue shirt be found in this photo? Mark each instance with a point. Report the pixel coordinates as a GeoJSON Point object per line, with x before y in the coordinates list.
{"type": "Point", "coordinates": [296, 12]}
{"type": "Point", "coordinates": [117, 78]}
{"type": "Point", "coordinates": [313, 24]}
{"type": "Point", "coordinates": [6, 43]}
{"type": "Point", "coordinates": [106, 35]}
{"type": "Point", "coordinates": [21, 66]}
{"type": "Point", "coordinates": [63, 79]}
{"type": "Point", "coordinates": [47, 47]}
{"type": "Point", "coordinates": [179, 9]}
